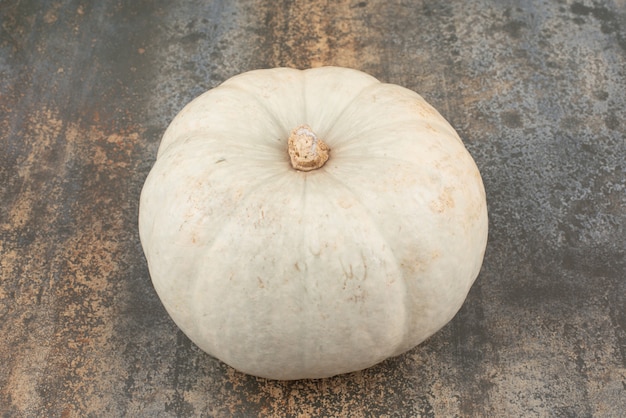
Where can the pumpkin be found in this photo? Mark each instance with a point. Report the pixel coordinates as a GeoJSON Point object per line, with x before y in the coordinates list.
{"type": "Point", "coordinates": [307, 223]}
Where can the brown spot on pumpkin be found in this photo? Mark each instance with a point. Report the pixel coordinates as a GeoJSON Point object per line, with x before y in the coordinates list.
{"type": "Point", "coordinates": [444, 201]}
{"type": "Point", "coordinates": [344, 203]}
{"type": "Point", "coordinates": [422, 108]}
{"type": "Point", "coordinates": [430, 127]}
{"type": "Point", "coordinates": [300, 266]}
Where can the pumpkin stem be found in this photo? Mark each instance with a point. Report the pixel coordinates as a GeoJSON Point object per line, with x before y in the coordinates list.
{"type": "Point", "coordinates": [306, 150]}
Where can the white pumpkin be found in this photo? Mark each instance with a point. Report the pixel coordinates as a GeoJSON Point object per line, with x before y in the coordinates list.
{"type": "Point", "coordinates": [330, 267]}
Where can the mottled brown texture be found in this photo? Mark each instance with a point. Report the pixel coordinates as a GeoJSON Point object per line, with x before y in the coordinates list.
{"type": "Point", "coordinates": [535, 89]}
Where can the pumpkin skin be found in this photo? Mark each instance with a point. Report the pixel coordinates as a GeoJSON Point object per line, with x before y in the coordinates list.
{"type": "Point", "coordinates": [289, 274]}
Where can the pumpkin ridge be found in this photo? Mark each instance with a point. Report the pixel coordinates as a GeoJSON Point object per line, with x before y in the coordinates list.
{"type": "Point", "coordinates": [172, 134]}
{"type": "Point", "coordinates": [272, 115]}
{"type": "Point", "coordinates": [396, 263]}
{"type": "Point", "coordinates": [390, 261]}
{"type": "Point", "coordinates": [204, 137]}
{"type": "Point", "coordinates": [381, 158]}
{"type": "Point", "coordinates": [408, 97]}
{"type": "Point", "coordinates": [245, 198]}
{"type": "Point", "coordinates": [227, 225]}
{"type": "Point", "coordinates": [314, 82]}
{"type": "Point", "coordinates": [350, 141]}
{"type": "Point", "coordinates": [365, 209]}
{"type": "Point", "coordinates": [397, 266]}
{"type": "Point", "coordinates": [341, 112]}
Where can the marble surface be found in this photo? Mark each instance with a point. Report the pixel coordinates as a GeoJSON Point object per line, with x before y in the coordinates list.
{"type": "Point", "coordinates": [536, 89]}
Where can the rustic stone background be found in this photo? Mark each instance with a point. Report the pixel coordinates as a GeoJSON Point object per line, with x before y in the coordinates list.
{"type": "Point", "coordinates": [537, 90]}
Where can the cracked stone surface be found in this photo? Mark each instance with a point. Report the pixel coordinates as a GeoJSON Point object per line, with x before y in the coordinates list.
{"type": "Point", "coordinates": [536, 89]}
